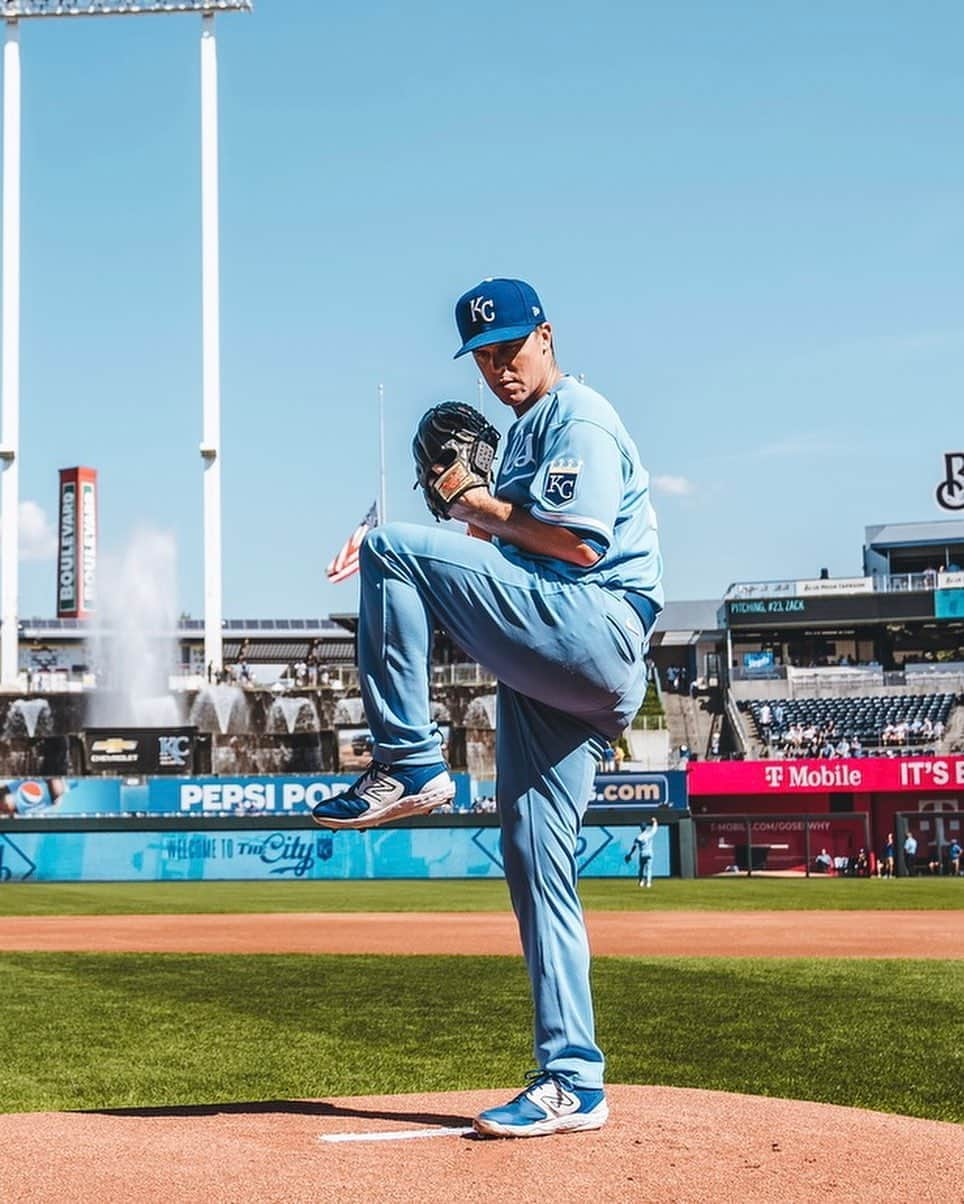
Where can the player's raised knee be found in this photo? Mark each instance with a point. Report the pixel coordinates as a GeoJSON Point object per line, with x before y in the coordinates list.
{"type": "Point", "coordinates": [392, 538]}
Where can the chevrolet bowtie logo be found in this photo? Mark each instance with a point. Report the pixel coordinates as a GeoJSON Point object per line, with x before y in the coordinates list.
{"type": "Point", "coordinates": [114, 745]}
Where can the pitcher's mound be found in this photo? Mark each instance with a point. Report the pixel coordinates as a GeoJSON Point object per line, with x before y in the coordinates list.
{"type": "Point", "coordinates": [661, 1144]}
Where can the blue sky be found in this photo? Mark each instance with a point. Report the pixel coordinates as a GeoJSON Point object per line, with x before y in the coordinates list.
{"type": "Point", "coordinates": [745, 221]}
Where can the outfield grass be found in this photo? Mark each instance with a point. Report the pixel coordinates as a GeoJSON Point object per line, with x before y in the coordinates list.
{"type": "Point", "coordinates": [600, 894]}
{"type": "Point", "coordinates": [109, 1031]}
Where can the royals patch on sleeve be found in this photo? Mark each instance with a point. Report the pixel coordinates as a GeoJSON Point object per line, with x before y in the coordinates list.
{"type": "Point", "coordinates": [562, 479]}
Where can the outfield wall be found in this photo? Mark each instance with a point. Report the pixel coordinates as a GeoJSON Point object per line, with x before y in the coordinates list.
{"type": "Point", "coordinates": [60, 853]}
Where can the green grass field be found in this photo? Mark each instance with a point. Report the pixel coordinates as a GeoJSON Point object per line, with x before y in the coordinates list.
{"type": "Point", "coordinates": [601, 894]}
{"type": "Point", "coordinates": [121, 1031]}
{"type": "Point", "coordinates": [100, 1031]}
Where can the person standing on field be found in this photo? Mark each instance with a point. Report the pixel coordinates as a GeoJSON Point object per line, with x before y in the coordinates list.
{"type": "Point", "coordinates": [910, 853]}
{"type": "Point", "coordinates": [643, 844]}
{"type": "Point", "coordinates": [556, 598]}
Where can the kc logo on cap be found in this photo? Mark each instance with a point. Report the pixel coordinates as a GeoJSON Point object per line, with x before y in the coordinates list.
{"type": "Point", "coordinates": [482, 309]}
{"type": "Point", "coordinates": [499, 310]}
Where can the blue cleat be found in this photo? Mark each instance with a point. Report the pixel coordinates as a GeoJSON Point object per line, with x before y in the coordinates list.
{"type": "Point", "coordinates": [550, 1104]}
{"type": "Point", "coordinates": [385, 792]}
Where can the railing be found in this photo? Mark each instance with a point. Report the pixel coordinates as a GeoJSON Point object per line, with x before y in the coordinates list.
{"type": "Point", "coordinates": [650, 723]}
{"type": "Point", "coordinates": [930, 579]}
{"type": "Point", "coordinates": [461, 675]}
{"type": "Point", "coordinates": [736, 725]}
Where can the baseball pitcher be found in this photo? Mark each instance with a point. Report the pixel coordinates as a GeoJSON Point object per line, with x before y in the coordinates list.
{"type": "Point", "coordinates": [556, 598]}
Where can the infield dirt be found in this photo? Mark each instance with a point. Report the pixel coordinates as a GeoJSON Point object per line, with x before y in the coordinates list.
{"type": "Point", "coordinates": [917, 934]}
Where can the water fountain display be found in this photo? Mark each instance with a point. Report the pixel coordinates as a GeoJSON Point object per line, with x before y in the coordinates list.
{"type": "Point", "coordinates": [290, 715]}
{"type": "Point", "coordinates": [221, 709]}
{"type": "Point", "coordinates": [135, 648]}
{"type": "Point", "coordinates": [28, 717]}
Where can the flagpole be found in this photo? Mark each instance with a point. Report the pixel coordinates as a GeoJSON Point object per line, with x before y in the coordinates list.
{"type": "Point", "coordinates": [382, 503]}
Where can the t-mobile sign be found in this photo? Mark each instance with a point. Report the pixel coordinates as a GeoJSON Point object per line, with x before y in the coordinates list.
{"type": "Point", "coordinates": [77, 548]}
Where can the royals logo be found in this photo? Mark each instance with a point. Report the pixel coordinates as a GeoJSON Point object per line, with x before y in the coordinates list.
{"type": "Point", "coordinates": [950, 492]}
{"type": "Point", "coordinates": [561, 480]}
{"type": "Point", "coordinates": [482, 309]}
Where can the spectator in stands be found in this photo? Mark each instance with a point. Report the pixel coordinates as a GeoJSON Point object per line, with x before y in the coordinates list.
{"type": "Point", "coordinates": [607, 763]}
{"type": "Point", "coordinates": [954, 858]}
{"type": "Point", "coordinates": [779, 714]}
{"type": "Point", "coordinates": [910, 854]}
{"type": "Point", "coordinates": [888, 855]}
{"type": "Point", "coordinates": [843, 747]}
{"type": "Point", "coordinates": [927, 728]}
{"type": "Point", "coordinates": [938, 730]}
{"type": "Point", "coordinates": [766, 721]}
{"type": "Point", "coordinates": [856, 748]}
{"type": "Point", "coordinates": [823, 862]}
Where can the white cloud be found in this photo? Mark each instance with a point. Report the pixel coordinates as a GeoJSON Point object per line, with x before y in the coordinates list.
{"type": "Point", "coordinates": [38, 539]}
{"type": "Point", "coordinates": [674, 486]}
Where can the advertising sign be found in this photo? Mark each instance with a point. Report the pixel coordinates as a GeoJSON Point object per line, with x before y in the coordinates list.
{"type": "Point", "coordinates": [260, 795]}
{"type": "Point", "coordinates": [55, 797]}
{"type": "Point", "coordinates": [765, 613]}
{"type": "Point", "coordinates": [641, 789]}
{"type": "Point", "coordinates": [139, 750]}
{"type": "Point", "coordinates": [950, 491]}
{"type": "Point", "coordinates": [757, 660]}
{"type": "Point", "coordinates": [836, 585]}
{"type": "Point", "coordinates": [949, 603]}
{"type": "Point", "coordinates": [820, 777]}
{"type": "Point", "coordinates": [291, 854]}
{"type": "Point", "coordinates": [77, 544]}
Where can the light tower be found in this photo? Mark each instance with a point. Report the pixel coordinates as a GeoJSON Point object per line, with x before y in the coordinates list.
{"type": "Point", "coordinates": [13, 12]}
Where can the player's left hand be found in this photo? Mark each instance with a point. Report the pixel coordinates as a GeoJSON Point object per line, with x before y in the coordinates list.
{"type": "Point", "coordinates": [454, 449]}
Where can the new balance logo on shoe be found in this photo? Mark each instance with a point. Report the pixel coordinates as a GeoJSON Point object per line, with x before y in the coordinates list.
{"type": "Point", "coordinates": [381, 790]}
{"type": "Point", "coordinates": [553, 1099]}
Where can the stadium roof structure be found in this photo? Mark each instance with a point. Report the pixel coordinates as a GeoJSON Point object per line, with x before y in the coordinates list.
{"type": "Point", "coordinates": [701, 615]}
{"type": "Point", "coordinates": [950, 530]}
{"type": "Point", "coordinates": [684, 623]}
{"type": "Point", "coordinates": [18, 10]}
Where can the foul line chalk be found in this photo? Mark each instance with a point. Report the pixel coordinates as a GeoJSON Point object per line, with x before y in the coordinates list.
{"type": "Point", "coordinates": [396, 1135]}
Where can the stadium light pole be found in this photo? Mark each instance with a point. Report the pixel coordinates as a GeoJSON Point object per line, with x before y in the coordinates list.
{"type": "Point", "coordinates": [10, 371]}
{"type": "Point", "coordinates": [12, 13]}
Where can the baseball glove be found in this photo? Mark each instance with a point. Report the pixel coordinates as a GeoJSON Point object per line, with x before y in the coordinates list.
{"type": "Point", "coordinates": [454, 448]}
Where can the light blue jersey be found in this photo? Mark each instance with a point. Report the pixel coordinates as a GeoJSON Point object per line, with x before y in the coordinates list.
{"type": "Point", "coordinates": [569, 461]}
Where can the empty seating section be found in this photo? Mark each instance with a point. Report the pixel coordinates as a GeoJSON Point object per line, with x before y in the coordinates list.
{"type": "Point", "coordinates": [851, 726]}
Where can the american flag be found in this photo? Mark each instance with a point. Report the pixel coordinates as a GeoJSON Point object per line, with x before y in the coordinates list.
{"type": "Point", "coordinates": [345, 563]}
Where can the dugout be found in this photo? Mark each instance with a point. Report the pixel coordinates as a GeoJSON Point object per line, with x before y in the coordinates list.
{"type": "Point", "coordinates": [934, 831]}
{"type": "Point", "coordinates": [781, 845]}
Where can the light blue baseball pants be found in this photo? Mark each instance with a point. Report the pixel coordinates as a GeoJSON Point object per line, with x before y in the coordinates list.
{"type": "Point", "coordinates": [569, 660]}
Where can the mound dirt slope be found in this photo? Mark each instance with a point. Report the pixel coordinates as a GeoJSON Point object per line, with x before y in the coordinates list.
{"type": "Point", "coordinates": [661, 1144]}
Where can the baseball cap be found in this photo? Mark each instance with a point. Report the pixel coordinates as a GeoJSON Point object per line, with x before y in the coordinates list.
{"type": "Point", "coordinates": [497, 311]}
